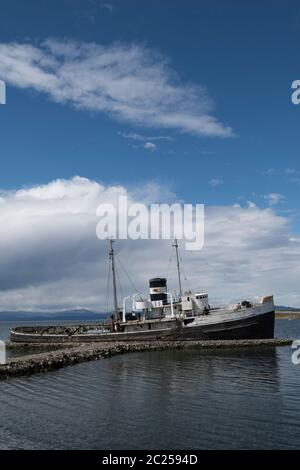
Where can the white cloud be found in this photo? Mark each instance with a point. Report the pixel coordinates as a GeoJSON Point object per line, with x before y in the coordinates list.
{"type": "Point", "coordinates": [274, 198]}
{"type": "Point", "coordinates": [143, 138]}
{"type": "Point", "coordinates": [290, 171]}
{"type": "Point", "coordinates": [50, 256]}
{"type": "Point", "coordinates": [216, 182]}
{"type": "Point", "coordinates": [294, 175]}
{"type": "Point", "coordinates": [107, 6]}
{"type": "Point", "coordinates": [270, 172]}
{"type": "Point", "coordinates": [131, 83]}
{"type": "Point", "coordinates": [207, 152]}
{"type": "Point", "coordinates": [147, 144]}
{"type": "Point", "coordinates": [150, 146]}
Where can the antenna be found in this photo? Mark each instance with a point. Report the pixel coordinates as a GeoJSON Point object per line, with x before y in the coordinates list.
{"type": "Point", "coordinates": [112, 258]}
{"type": "Point", "coordinates": [175, 244]}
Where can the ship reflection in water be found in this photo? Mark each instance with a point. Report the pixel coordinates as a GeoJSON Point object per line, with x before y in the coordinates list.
{"type": "Point", "coordinates": [177, 399]}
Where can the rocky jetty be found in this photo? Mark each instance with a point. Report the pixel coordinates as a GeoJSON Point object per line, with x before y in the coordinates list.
{"type": "Point", "coordinates": [70, 354]}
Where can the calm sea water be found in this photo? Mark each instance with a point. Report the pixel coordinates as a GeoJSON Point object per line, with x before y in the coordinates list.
{"type": "Point", "coordinates": [237, 399]}
{"type": "Point", "coordinates": [6, 327]}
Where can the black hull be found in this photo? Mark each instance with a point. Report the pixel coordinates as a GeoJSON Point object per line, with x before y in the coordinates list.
{"type": "Point", "coordinates": [259, 327]}
{"type": "Point", "coordinates": [256, 327]}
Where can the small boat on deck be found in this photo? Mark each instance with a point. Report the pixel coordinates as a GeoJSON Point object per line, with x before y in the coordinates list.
{"type": "Point", "coordinates": [164, 316]}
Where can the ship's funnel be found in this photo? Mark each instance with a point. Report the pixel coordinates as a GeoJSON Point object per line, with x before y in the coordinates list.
{"type": "Point", "coordinates": [158, 291]}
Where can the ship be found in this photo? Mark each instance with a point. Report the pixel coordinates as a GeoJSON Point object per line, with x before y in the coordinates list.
{"type": "Point", "coordinates": [162, 315]}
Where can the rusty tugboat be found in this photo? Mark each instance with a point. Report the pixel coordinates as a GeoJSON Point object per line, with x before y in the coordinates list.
{"type": "Point", "coordinates": [163, 316]}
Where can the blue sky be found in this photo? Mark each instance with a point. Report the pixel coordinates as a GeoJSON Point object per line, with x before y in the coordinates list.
{"type": "Point", "coordinates": [245, 55]}
{"type": "Point", "coordinates": [226, 61]}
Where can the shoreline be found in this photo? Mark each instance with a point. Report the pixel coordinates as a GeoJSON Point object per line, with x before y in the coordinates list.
{"type": "Point", "coordinates": [71, 354]}
{"type": "Point", "coordinates": [287, 315]}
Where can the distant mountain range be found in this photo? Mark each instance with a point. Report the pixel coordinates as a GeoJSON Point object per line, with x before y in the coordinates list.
{"type": "Point", "coordinates": [76, 315]}
{"type": "Point", "coordinates": [281, 308]}
{"type": "Point", "coordinates": [79, 314]}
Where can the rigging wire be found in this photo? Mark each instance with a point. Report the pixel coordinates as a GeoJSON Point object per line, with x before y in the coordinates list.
{"type": "Point", "coordinates": [184, 274]}
{"type": "Point", "coordinates": [126, 274]}
{"type": "Point", "coordinates": [169, 274]}
{"type": "Point", "coordinates": [119, 282]}
{"type": "Point", "coordinates": [107, 291]}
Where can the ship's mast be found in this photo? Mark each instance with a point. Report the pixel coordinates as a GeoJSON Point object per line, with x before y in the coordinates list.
{"type": "Point", "coordinates": [113, 269]}
{"type": "Point", "coordinates": [175, 244]}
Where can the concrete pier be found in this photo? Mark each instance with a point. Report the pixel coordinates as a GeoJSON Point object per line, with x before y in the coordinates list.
{"type": "Point", "coordinates": [70, 354]}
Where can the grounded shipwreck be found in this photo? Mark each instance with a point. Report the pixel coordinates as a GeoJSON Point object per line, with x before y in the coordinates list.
{"type": "Point", "coordinates": [162, 315]}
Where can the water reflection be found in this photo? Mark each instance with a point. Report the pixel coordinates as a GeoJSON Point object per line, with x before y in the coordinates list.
{"type": "Point", "coordinates": [177, 399]}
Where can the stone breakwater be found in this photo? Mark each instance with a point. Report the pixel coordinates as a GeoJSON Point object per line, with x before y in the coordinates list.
{"type": "Point", "coordinates": [70, 355]}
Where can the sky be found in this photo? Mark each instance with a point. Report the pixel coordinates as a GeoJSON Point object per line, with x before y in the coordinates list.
{"type": "Point", "coordinates": [164, 101]}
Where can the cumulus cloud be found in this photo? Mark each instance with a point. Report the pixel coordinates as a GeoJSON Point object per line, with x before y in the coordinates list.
{"type": "Point", "coordinates": [270, 172]}
{"type": "Point", "coordinates": [294, 175]}
{"type": "Point", "coordinates": [144, 141]}
{"type": "Point", "coordinates": [150, 146]}
{"type": "Point", "coordinates": [107, 6]}
{"type": "Point", "coordinates": [274, 198]}
{"type": "Point", "coordinates": [290, 171]}
{"type": "Point", "coordinates": [50, 256]}
{"type": "Point", "coordinates": [216, 182]}
{"type": "Point", "coordinates": [129, 82]}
